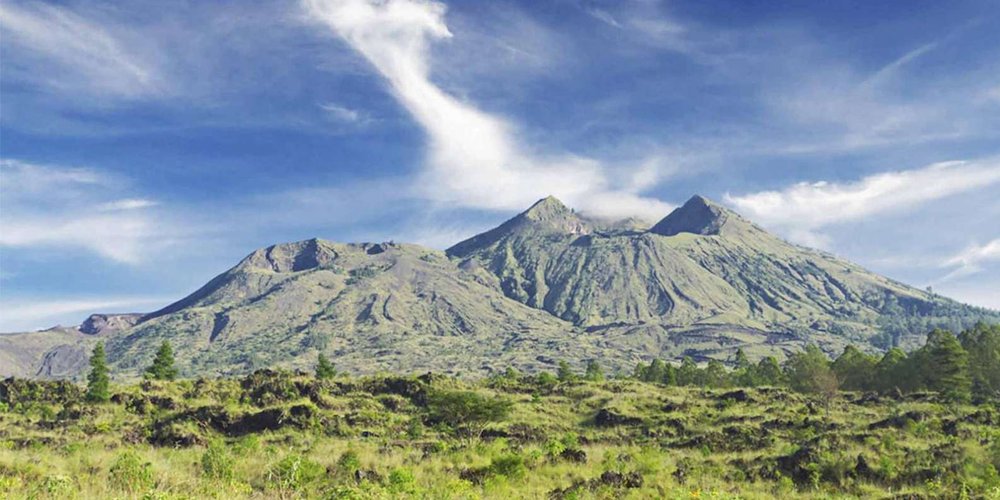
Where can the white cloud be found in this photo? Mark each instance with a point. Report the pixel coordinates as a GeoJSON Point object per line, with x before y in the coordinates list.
{"type": "Point", "coordinates": [50, 206]}
{"type": "Point", "coordinates": [127, 204]}
{"type": "Point", "coordinates": [61, 49]}
{"type": "Point", "coordinates": [28, 315]}
{"type": "Point", "coordinates": [802, 208]}
{"type": "Point", "coordinates": [343, 113]}
{"type": "Point", "coordinates": [475, 158]}
{"type": "Point", "coordinates": [603, 16]}
{"type": "Point", "coordinates": [970, 260]}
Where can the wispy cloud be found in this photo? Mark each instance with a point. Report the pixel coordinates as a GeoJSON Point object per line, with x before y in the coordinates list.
{"type": "Point", "coordinates": [802, 209]}
{"type": "Point", "coordinates": [64, 207]}
{"type": "Point", "coordinates": [58, 48]}
{"type": "Point", "coordinates": [28, 315]}
{"type": "Point", "coordinates": [476, 159]}
{"type": "Point", "coordinates": [971, 260]}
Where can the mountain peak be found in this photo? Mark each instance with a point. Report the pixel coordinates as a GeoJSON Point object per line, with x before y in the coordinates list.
{"type": "Point", "coordinates": [548, 215]}
{"type": "Point", "coordinates": [698, 215]}
{"type": "Point", "coordinates": [546, 209]}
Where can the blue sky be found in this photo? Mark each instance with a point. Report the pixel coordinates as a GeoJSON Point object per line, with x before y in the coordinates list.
{"type": "Point", "coordinates": [146, 146]}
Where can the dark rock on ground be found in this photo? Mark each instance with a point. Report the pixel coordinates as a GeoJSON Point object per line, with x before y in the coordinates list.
{"type": "Point", "coordinates": [609, 418]}
{"type": "Point", "coordinates": [899, 421]}
{"type": "Point", "coordinates": [573, 455]}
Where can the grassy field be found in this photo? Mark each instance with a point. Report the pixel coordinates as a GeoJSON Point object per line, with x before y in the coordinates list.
{"type": "Point", "coordinates": [283, 435]}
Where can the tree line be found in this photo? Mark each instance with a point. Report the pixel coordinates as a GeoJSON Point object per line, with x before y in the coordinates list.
{"type": "Point", "coordinates": [958, 367]}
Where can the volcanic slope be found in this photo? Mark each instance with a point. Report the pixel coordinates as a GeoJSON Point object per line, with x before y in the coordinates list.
{"type": "Point", "coordinates": [548, 284]}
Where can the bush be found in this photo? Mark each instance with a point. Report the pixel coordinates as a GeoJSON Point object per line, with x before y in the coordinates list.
{"type": "Point", "coordinates": [293, 472]}
{"type": "Point", "coordinates": [467, 410]}
{"type": "Point", "coordinates": [129, 473]}
{"type": "Point", "coordinates": [402, 481]}
{"type": "Point", "coordinates": [217, 463]}
{"type": "Point", "coordinates": [510, 465]}
{"type": "Point", "coordinates": [349, 462]}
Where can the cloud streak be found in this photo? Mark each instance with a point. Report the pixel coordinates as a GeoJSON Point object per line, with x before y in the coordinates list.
{"type": "Point", "coordinates": [58, 48]}
{"type": "Point", "coordinates": [62, 207]}
{"type": "Point", "coordinates": [970, 261]}
{"type": "Point", "coordinates": [28, 315]}
{"type": "Point", "coordinates": [475, 159]}
{"type": "Point", "coordinates": [803, 208]}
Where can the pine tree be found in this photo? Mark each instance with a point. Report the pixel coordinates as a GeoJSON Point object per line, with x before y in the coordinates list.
{"type": "Point", "coordinates": [163, 364]}
{"type": "Point", "coordinates": [744, 374]}
{"type": "Point", "coordinates": [890, 372]}
{"type": "Point", "coordinates": [716, 374]}
{"type": "Point", "coordinates": [947, 366]}
{"type": "Point", "coordinates": [689, 373]}
{"type": "Point", "coordinates": [565, 372]}
{"type": "Point", "coordinates": [809, 371]}
{"type": "Point", "coordinates": [594, 372]}
{"type": "Point", "coordinates": [742, 362]}
{"type": "Point", "coordinates": [98, 381]}
{"type": "Point", "coordinates": [982, 342]}
{"type": "Point", "coordinates": [855, 369]}
{"type": "Point", "coordinates": [324, 368]}
{"type": "Point", "coordinates": [768, 372]}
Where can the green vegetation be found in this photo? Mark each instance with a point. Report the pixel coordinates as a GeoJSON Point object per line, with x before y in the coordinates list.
{"type": "Point", "coordinates": [324, 368]}
{"type": "Point", "coordinates": [724, 434]}
{"type": "Point", "coordinates": [163, 364]}
{"type": "Point", "coordinates": [99, 379]}
{"type": "Point", "coordinates": [942, 365]}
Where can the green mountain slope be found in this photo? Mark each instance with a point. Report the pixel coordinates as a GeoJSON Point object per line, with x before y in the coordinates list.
{"type": "Point", "coordinates": [548, 284]}
{"type": "Point", "coordinates": [701, 265]}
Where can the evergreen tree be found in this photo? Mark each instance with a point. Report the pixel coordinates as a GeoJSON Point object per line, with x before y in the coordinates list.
{"type": "Point", "coordinates": [163, 364]}
{"type": "Point", "coordinates": [890, 372]}
{"type": "Point", "coordinates": [742, 362]}
{"type": "Point", "coordinates": [324, 368]}
{"type": "Point", "coordinates": [768, 373]}
{"type": "Point", "coordinates": [947, 366]}
{"type": "Point", "coordinates": [98, 380]}
{"type": "Point", "coordinates": [594, 372]}
{"type": "Point", "coordinates": [855, 369]}
{"type": "Point", "coordinates": [689, 373]}
{"type": "Point", "coordinates": [744, 372]}
{"type": "Point", "coordinates": [715, 374]}
{"type": "Point", "coordinates": [809, 371]}
{"type": "Point", "coordinates": [982, 342]}
{"type": "Point", "coordinates": [565, 372]}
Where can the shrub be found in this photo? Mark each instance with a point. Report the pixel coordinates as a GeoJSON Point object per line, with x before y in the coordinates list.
{"type": "Point", "coordinates": [349, 461]}
{"type": "Point", "coordinates": [129, 473]}
{"type": "Point", "coordinates": [467, 410]}
{"type": "Point", "coordinates": [510, 465]}
{"type": "Point", "coordinates": [217, 463]}
{"type": "Point", "coordinates": [402, 481]}
{"type": "Point", "coordinates": [294, 472]}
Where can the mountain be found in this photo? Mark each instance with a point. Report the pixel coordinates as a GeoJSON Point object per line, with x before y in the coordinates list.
{"type": "Point", "coordinates": [546, 285]}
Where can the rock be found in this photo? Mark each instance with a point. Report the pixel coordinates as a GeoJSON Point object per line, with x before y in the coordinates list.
{"type": "Point", "coordinates": [608, 418]}
{"type": "Point", "coordinates": [899, 421]}
{"type": "Point", "coordinates": [573, 455]}
{"type": "Point", "coordinates": [739, 396]}
{"type": "Point", "coordinates": [864, 471]}
{"type": "Point", "coordinates": [15, 391]}
{"type": "Point", "coordinates": [362, 475]}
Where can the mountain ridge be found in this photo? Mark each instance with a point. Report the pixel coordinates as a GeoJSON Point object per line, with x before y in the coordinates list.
{"type": "Point", "coordinates": [547, 284]}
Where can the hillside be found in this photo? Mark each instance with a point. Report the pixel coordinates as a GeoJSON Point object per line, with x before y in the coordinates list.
{"type": "Point", "coordinates": [548, 284]}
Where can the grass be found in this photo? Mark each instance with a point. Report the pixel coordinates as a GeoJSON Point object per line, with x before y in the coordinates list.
{"type": "Point", "coordinates": [375, 437]}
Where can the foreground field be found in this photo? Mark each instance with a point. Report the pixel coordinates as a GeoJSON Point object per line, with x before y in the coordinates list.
{"type": "Point", "coordinates": [281, 435]}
